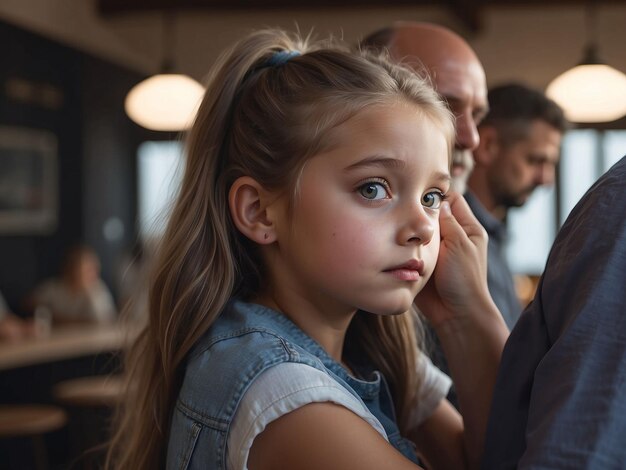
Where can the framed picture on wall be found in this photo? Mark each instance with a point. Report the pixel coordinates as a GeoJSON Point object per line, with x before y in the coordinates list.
{"type": "Point", "coordinates": [28, 181]}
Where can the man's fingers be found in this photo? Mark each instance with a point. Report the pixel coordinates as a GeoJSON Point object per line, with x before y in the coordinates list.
{"type": "Point", "coordinates": [465, 217]}
{"type": "Point", "coordinates": [449, 226]}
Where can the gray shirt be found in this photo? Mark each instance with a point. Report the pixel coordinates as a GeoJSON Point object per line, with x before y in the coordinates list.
{"type": "Point", "coordinates": [560, 396]}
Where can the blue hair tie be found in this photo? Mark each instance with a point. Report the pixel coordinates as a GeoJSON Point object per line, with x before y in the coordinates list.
{"type": "Point", "coordinates": [281, 58]}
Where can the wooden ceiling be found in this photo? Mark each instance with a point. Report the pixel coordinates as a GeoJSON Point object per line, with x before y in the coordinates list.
{"type": "Point", "coordinates": [468, 11]}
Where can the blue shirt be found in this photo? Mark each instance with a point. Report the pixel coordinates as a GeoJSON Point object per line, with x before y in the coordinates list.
{"type": "Point", "coordinates": [560, 396]}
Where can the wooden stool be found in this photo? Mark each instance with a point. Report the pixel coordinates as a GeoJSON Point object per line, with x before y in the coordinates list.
{"type": "Point", "coordinates": [31, 421]}
{"type": "Point", "coordinates": [97, 391]}
{"type": "Point", "coordinates": [89, 401]}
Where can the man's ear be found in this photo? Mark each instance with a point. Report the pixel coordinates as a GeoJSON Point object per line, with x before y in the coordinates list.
{"type": "Point", "coordinates": [488, 147]}
{"type": "Point", "coordinates": [248, 201]}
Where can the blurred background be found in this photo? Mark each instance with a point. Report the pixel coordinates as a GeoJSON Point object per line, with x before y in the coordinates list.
{"type": "Point", "coordinates": [76, 170]}
{"type": "Point", "coordinates": [67, 66]}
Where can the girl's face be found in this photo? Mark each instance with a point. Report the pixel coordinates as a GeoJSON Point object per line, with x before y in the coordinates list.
{"type": "Point", "coordinates": [364, 231]}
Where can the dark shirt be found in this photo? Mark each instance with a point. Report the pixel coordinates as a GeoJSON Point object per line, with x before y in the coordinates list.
{"type": "Point", "coordinates": [499, 277]}
{"type": "Point", "coordinates": [560, 396]}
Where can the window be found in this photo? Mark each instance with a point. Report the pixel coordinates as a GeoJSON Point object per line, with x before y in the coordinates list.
{"type": "Point", "coordinates": [614, 148]}
{"type": "Point", "coordinates": [531, 232]}
{"type": "Point", "coordinates": [586, 154]}
{"type": "Point", "coordinates": [159, 173]}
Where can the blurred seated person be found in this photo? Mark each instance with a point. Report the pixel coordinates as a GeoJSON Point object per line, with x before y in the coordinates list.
{"type": "Point", "coordinates": [79, 295]}
{"type": "Point", "coordinates": [12, 327]}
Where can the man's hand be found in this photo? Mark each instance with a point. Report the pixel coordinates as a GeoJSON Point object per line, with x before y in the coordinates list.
{"type": "Point", "coordinates": [460, 277]}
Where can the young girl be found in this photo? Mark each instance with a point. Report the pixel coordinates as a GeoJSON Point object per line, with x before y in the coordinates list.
{"type": "Point", "coordinates": [311, 215]}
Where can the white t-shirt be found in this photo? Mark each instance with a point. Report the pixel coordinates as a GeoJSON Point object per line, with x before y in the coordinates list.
{"type": "Point", "coordinates": [95, 304]}
{"type": "Point", "coordinates": [289, 386]}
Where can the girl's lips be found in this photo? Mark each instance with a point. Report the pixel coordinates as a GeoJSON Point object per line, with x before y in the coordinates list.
{"type": "Point", "coordinates": [404, 274]}
{"type": "Point", "coordinates": [410, 271]}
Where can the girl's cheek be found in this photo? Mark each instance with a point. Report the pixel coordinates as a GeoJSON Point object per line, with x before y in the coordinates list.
{"type": "Point", "coordinates": [352, 245]}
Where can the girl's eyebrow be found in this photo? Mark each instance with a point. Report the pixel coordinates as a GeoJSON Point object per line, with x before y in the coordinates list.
{"type": "Point", "coordinates": [377, 161]}
{"type": "Point", "coordinates": [442, 177]}
{"type": "Point", "coordinates": [394, 163]}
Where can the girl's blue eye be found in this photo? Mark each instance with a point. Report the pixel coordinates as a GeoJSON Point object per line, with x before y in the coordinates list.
{"type": "Point", "coordinates": [373, 191]}
{"type": "Point", "coordinates": [433, 200]}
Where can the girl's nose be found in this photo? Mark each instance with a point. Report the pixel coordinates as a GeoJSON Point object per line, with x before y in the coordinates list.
{"type": "Point", "coordinates": [418, 227]}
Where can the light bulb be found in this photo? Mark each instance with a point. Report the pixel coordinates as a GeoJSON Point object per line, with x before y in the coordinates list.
{"type": "Point", "coordinates": [164, 102]}
{"type": "Point", "coordinates": [590, 93]}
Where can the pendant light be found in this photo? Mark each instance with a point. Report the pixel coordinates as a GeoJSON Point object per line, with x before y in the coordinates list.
{"type": "Point", "coordinates": [592, 91]}
{"type": "Point", "coordinates": [167, 101]}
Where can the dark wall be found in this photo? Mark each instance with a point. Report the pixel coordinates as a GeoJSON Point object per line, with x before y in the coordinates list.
{"type": "Point", "coordinates": [110, 143]}
{"type": "Point", "coordinates": [96, 154]}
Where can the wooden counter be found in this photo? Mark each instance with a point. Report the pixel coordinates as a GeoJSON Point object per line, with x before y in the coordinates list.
{"type": "Point", "coordinates": [63, 343]}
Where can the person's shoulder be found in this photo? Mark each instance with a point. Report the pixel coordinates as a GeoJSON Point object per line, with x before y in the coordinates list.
{"type": "Point", "coordinates": [253, 330]}
{"type": "Point", "coordinates": [246, 338]}
{"type": "Point", "coordinates": [600, 210]}
{"type": "Point", "coordinates": [619, 167]}
{"type": "Point", "coordinates": [243, 344]}
{"type": "Point", "coordinates": [325, 435]}
{"type": "Point", "coordinates": [613, 181]}
{"type": "Point", "coordinates": [227, 359]}
{"type": "Point", "coordinates": [281, 390]}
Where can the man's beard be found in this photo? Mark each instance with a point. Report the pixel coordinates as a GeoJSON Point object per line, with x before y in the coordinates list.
{"type": "Point", "coordinates": [461, 168]}
{"type": "Point", "coordinates": [509, 200]}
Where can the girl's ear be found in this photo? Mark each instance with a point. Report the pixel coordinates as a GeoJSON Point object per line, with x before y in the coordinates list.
{"type": "Point", "coordinates": [488, 146]}
{"type": "Point", "coordinates": [248, 202]}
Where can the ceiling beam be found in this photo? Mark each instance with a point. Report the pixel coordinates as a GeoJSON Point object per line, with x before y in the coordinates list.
{"type": "Point", "coordinates": [469, 12]}
{"type": "Point", "coordinates": [114, 7]}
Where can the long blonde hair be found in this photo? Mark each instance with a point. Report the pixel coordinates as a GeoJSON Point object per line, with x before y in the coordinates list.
{"type": "Point", "coordinates": [262, 121]}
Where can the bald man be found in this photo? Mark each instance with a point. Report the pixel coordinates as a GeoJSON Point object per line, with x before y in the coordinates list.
{"type": "Point", "coordinates": [457, 75]}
